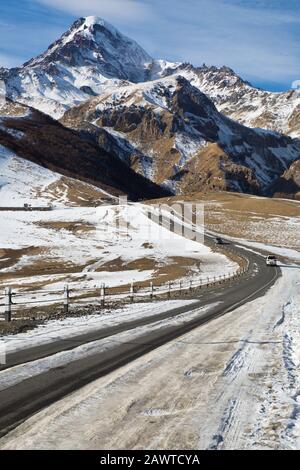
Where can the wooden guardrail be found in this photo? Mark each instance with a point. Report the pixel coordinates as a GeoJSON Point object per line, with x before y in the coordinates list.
{"type": "Point", "coordinates": [15, 300]}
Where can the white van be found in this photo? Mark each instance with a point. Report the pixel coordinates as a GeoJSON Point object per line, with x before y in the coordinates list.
{"type": "Point", "coordinates": [271, 260]}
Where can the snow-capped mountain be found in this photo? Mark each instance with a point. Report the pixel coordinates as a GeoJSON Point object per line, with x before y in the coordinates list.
{"type": "Point", "coordinates": [32, 143]}
{"type": "Point", "coordinates": [152, 116]}
{"type": "Point", "coordinates": [91, 57]}
{"type": "Point", "coordinates": [173, 134]}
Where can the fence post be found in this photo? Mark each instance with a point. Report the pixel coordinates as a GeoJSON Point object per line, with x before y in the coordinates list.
{"type": "Point", "coordinates": [169, 290]}
{"type": "Point", "coordinates": [151, 290]}
{"type": "Point", "coordinates": [66, 298]}
{"type": "Point", "coordinates": [131, 292]}
{"type": "Point", "coordinates": [180, 287]}
{"type": "Point", "coordinates": [102, 295]}
{"type": "Point", "coordinates": [8, 304]}
{"type": "Point", "coordinates": [190, 286]}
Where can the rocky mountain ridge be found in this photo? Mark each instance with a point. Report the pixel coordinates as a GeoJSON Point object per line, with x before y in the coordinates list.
{"type": "Point", "coordinates": [173, 134]}
{"type": "Point", "coordinates": [103, 85]}
{"type": "Point", "coordinates": [93, 57]}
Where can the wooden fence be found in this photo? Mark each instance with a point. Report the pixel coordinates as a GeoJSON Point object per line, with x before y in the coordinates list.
{"type": "Point", "coordinates": [15, 300]}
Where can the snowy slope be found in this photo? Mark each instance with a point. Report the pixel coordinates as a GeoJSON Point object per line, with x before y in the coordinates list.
{"type": "Point", "coordinates": [22, 181]}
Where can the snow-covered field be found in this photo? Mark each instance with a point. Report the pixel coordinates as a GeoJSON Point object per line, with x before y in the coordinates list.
{"type": "Point", "coordinates": [230, 384]}
{"type": "Point", "coordinates": [86, 247]}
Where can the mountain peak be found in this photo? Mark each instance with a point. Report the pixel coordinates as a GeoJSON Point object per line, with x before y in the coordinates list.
{"type": "Point", "coordinates": [91, 56]}
{"type": "Point", "coordinates": [92, 20]}
{"type": "Point", "coordinates": [93, 42]}
{"type": "Point", "coordinates": [96, 20]}
{"type": "Point", "coordinates": [88, 24]}
{"type": "Point", "coordinates": [90, 32]}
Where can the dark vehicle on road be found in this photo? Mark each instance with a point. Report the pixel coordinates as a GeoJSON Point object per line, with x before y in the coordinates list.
{"type": "Point", "coordinates": [219, 241]}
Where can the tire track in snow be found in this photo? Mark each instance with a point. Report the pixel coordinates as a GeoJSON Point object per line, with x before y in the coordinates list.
{"type": "Point", "coordinates": [226, 421]}
{"type": "Point", "coordinates": [232, 393]}
{"type": "Point", "coordinates": [271, 429]}
{"type": "Point", "coordinates": [282, 318]}
{"type": "Point", "coordinates": [237, 360]}
{"type": "Point", "coordinates": [288, 361]}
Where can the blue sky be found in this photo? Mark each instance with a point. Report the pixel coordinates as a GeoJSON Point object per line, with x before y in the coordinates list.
{"type": "Point", "coordinates": [259, 39]}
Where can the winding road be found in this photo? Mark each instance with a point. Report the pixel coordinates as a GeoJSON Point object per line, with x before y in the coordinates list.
{"type": "Point", "coordinates": [24, 399]}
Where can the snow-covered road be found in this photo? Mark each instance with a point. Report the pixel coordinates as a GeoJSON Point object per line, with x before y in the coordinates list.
{"type": "Point", "coordinates": [232, 383]}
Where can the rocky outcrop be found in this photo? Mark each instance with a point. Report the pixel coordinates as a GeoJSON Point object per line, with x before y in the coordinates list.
{"type": "Point", "coordinates": [3, 73]}
{"type": "Point", "coordinates": [288, 185]}
{"type": "Point", "coordinates": [172, 133]}
{"type": "Point", "coordinates": [248, 105]}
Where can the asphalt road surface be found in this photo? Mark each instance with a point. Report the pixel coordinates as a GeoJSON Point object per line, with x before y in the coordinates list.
{"type": "Point", "coordinates": [20, 401]}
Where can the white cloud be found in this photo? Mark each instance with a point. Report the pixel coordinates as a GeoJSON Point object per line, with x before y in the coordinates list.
{"type": "Point", "coordinates": [256, 40]}
{"type": "Point", "coordinates": [112, 10]}
{"type": "Point", "coordinates": [260, 11]}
